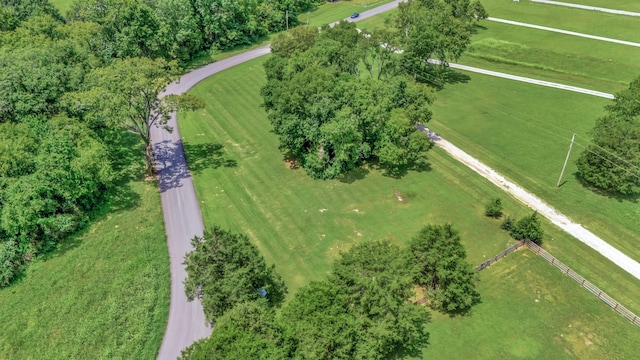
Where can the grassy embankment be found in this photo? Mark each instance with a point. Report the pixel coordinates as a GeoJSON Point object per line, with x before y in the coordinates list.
{"type": "Point", "coordinates": [103, 295]}
{"type": "Point", "coordinates": [529, 309]}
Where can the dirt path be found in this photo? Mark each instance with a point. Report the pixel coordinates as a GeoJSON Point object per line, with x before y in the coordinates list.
{"type": "Point", "coordinates": [576, 230]}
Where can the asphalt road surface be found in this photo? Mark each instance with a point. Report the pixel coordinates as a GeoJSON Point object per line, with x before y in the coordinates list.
{"type": "Point", "coordinates": [182, 217]}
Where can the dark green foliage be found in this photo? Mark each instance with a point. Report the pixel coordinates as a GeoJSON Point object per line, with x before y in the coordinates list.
{"type": "Point", "coordinates": [248, 331]}
{"type": "Point", "coordinates": [611, 162]}
{"type": "Point", "coordinates": [333, 119]}
{"type": "Point", "coordinates": [494, 208]}
{"type": "Point", "coordinates": [23, 9]}
{"type": "Point", "coordinates": [438, 262]}
{"type": "Point", "coordinates": [528, 228]}
{"type": "Point", "coordinates": [225, 269]}
{"type": "Point", "coordinates": [361, 312]}
{"type": "Point", "coordinates": [439, 29]}
{"type": "Point", "coordinates": [508, 223]}
{"type": "Point", "coordinates": [11, 262]}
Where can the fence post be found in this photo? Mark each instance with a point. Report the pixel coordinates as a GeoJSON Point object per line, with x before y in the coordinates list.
{"type": "Point", "coordinates": [583, 280]}
{"type": "Point", "coordinates": [568, 271]}
{"type": "Point", "coordinates": [553, 261]}
{"type": "Point", "coordinates": [616, 308]}
{"type": "Point", "coordinates": [600, 293]}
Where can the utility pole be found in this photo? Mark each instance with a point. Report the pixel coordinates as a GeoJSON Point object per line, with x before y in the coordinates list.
{"type": "Point", "coordinates": [566, 160]}
{"type": "Point", "coordinates": [287, 12]}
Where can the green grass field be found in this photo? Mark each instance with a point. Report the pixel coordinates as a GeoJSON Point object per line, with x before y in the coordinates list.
{"type": "Point", "coordinates": [547, 56]}
{"type": "Point", "coordinates": [628, 5]}
{"type": "Point", "coordinates": [301, 225]}
{"type": "Point", "coordinates": [103, 295]}
{"type": "Point", "coordinates": [589, 22]}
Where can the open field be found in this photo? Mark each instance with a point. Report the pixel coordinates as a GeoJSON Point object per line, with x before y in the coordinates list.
{"type": "Point", "coordinates": [530, 310]}
{"type": "Point", "coordinates": [283, 211]}
{"type": "Point", "coordinates": [103, 295]}
{"type": "Point", "coordinates": [523, 132]}
{"type": "Point", "coordinates": [546, 56]}
{"type": "Point", "coordinates": [584, 21]}
{"type": "Point", "coordinates": [628, 5]}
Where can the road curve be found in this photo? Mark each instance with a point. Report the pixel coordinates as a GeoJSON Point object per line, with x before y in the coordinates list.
{"type": "Point", "coordinates": [181, 210]}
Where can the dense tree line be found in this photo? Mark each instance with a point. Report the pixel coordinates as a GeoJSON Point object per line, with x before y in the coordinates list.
{"type": "Point", "coordinates": [73, 87]}
{"type": "Point", "coordinates": [362, 310]}
{"type": "Point", "coordinates": [611, 162]}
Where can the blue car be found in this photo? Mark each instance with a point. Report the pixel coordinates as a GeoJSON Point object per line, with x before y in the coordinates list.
{"type": "Point", "coordinates": [355, 15]}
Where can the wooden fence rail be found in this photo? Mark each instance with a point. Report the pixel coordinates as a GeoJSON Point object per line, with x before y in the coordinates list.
{"type": "Point", "coordinates": [502, 254]}
{"type": "Point", "coordinates": [635, 319]}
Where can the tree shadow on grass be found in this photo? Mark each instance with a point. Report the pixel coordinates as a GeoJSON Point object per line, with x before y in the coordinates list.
{"type": "Point", "coordinates": [450, 76]}
{"type": "Point", "coordinates": [354, 175]}
{"type": "Point", "coordinates": [206, 156]}
{"type": "Point", "coordinates": [172, 167]}
{"type": "Point", "coordinates": [401, 171]}
{"type": "Point", "coordinates": [633, 198]}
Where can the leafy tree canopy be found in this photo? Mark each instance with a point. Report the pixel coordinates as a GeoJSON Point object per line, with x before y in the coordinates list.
{"type": "Point", "coordinates": [225, 269]}
{"type": "Point", "coordinates": [439, 263]}
{"type": "Point", "coordinates": [611, 163]}
{"type": "Point", "coordinates": [331, 117]}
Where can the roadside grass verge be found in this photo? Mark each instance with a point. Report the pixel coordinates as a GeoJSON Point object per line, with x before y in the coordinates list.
{"type": "Point", "coordinates": [301, 225]}
{"type": "Point", "coordinates": [103, 295]}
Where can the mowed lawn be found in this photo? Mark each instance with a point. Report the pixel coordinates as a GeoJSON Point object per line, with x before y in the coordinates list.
{"type": "Point", "coordinates": [301, 225]}
{"type": "Point", "coordinates": [523, 131]}
{"type": "Point", "coordinates": [103, 295]}
{"type": "Point", "coordinates": [628, 5]}
{"type": "Point", "coordinates": [549, 56]}
{"type": "Point", "coordinates": [613, 26]}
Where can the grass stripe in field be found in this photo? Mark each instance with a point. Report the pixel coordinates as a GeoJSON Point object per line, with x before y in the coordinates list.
{"type": "Point", "coordinates": [587, 7]}
{"type": "Point", "coordinates": [587, 22]}
{"type": "Point", "coordinates": [566, 32]}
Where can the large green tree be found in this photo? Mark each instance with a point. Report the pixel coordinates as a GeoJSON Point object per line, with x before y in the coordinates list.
{"type": "Point", "coordinates": [611, 162]}
{"type": "Point", "coordinates": [331, 117]}
{"type": "Point", "coordinates": [439, 263]}
{"type": "Point", "coordinates": [248, 331]}
{"type": "Point", "coordinates": [225, 269]}
{"type": "Point", "coordinates": [361, 312]}
{"type": "Point", "coordinates": [435, 29]}
{"type": "Point", "coordinates": [126, 94]}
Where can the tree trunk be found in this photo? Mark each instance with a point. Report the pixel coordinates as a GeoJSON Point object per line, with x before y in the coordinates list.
{"type": "Point", "coordinates": [149, 158]}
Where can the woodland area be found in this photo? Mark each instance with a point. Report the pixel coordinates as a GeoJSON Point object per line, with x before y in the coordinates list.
{"type": "Point", "coordinates": [78, 95]}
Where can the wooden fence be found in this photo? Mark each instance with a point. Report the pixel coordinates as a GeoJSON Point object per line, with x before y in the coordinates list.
{"type": "Point", "coordinates": [585, 284]}
{"type": "Point", "coordinates": [502, 254]}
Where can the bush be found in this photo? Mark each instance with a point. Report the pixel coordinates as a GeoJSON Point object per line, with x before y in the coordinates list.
{"type": "Point", "coordinates": [494, 208]}
{"type": "Point", "coordinates": [11, 262]}
{"type": "Point", "coordinates": [528, 228]}
{"type": "Point", "coordinates": [508, 223]}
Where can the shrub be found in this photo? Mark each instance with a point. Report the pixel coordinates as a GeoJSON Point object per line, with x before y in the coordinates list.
{"type": "Point", "coordinates": [494, 208]}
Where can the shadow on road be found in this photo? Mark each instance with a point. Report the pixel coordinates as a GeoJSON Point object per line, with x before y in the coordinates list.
{"type": "Point", "coordinates": [171, 164]}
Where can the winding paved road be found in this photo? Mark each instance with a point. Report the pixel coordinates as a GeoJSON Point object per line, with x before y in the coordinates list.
{"type": "Point", "coordinates": [182, 217]}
